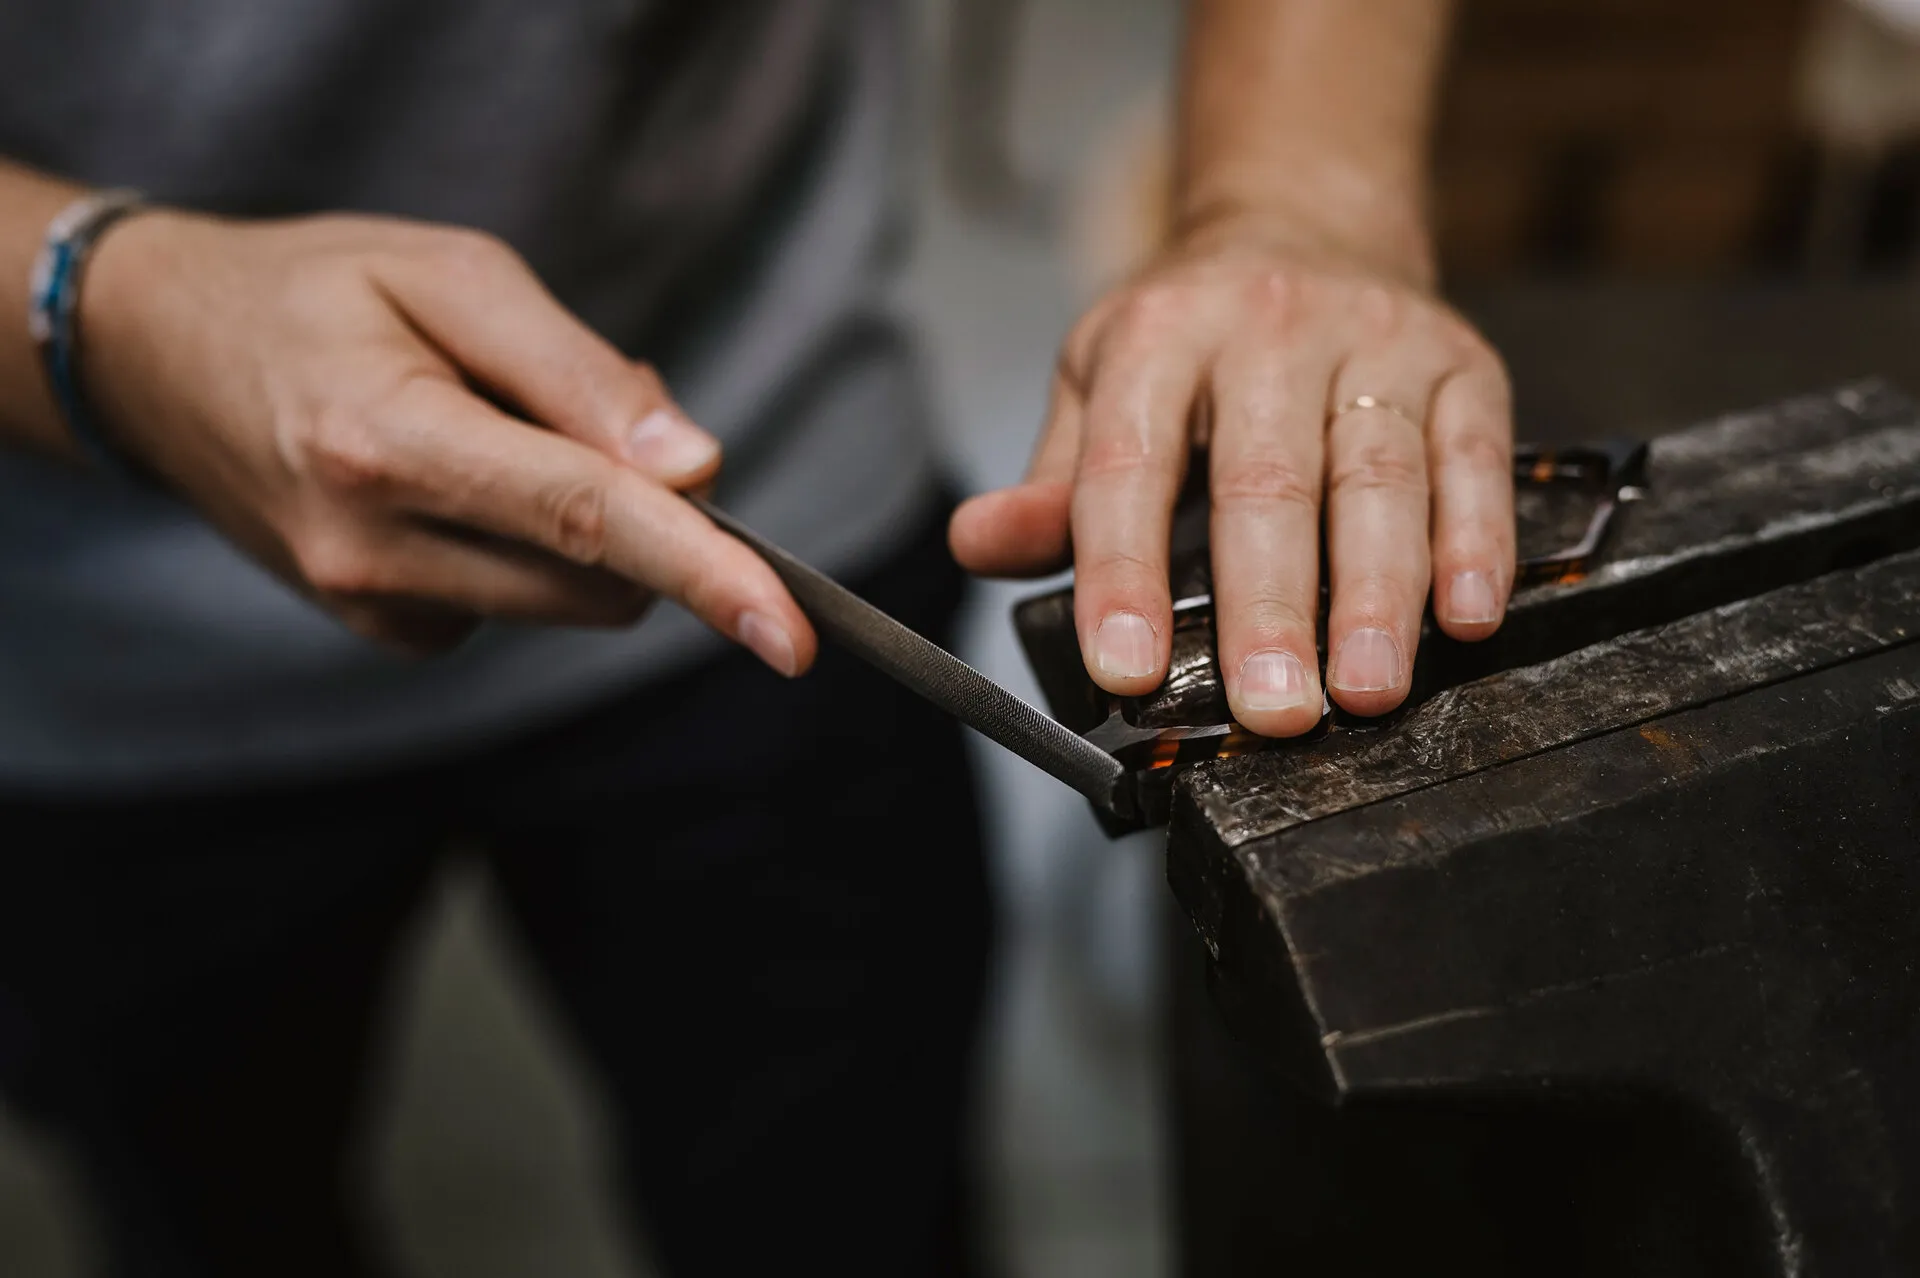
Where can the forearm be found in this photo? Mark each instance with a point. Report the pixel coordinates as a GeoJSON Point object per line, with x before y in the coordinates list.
{"type": "Point", "coordinates": [28, 415]}
{"type": "Point", "coordinates": [1312, 116]}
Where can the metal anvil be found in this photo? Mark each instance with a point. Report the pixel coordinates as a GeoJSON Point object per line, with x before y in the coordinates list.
{"type": "Point", "coordinates": [1615, 928]}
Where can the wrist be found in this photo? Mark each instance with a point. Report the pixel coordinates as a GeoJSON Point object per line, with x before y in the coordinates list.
{"type": "Point", "coordinates": [127, 267]}
{"type": "Point", "coordinates": [1331, 211]}
{"type": "Point", "coordinates": [127, 276]}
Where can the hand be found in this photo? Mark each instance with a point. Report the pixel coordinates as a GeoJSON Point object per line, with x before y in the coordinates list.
{"type": "Point", "coordinates": [1249, 339]}
{"type": "Point", "coordinates": [404, 424]}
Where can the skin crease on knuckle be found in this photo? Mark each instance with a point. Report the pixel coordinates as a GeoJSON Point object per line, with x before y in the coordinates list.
{"type": "Point", "coordinates": [1378, 466]}
{"type": "Point", "coordinates": [1121, 501]}
{"type": "Point", "coordinates": [1126, 575]}
{"type": "Point", "coordinates": [1473, 452]}
{"type": "Point", "coordinates": [1124, 426]}
{"type": "Point", "coordinates": [1264, 620]}
{"type": "Point", "coordinates": [1121, 458]}
{"type": "Point", "coordinates": [1261, 480]}
{"type": "Point", "coordinates": [577, 515]}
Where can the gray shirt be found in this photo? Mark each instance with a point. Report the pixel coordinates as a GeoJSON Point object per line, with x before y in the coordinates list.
{"type": "Point", "coordinates": [707, 182]}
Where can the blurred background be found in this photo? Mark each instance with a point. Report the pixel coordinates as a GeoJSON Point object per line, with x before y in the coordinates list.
{"type": "Point", "coordinates": [1657, 210]}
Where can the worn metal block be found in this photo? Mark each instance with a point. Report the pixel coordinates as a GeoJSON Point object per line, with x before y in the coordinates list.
{"type": "Point", "coordinates": [1644, 869]}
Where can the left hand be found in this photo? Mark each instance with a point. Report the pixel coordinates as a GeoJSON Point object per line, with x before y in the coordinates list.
{"type": "Point", "coordinates": [1256, 341]}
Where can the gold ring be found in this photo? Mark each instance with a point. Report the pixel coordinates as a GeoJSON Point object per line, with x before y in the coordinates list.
{"type": "Point", "coordinates": [1359, 402]}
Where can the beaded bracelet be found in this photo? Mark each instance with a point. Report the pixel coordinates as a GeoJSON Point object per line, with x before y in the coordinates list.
{"type": "Point", "coordinates": [53, 315]}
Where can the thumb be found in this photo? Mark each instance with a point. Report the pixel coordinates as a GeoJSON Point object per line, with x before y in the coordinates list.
{"type": "Point", "coordinates": [1023, 531]}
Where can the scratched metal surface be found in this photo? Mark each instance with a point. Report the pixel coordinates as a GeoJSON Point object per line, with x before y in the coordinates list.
{"type": "Point", "coordinates": [1711, 911]}
{"type": "Point", "coordinates": [1669, 847]}
{"type": "Point", "coordinates": [1602, 910]}
{"type": "Point", "coordinates": [1737, 506]}
{"type": "Point", "coordinates": [1761, 476]}
{"type": "Point", "coordinates": [1614, 684]}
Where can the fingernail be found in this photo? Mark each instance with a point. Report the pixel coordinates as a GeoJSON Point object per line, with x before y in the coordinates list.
{"type": "Point", "coordinates": [1369, 661]}
{"type": "Point", "coordinates": [1471, 601]}
{"type": "Point", "coordinates": [1124, 646]}
{"type": "Point", "coordinates": [1273, 681]}
{"type": "Point", "coordinates": [769, 642]}
{"type": "Point", "coordinates": [664, 444]}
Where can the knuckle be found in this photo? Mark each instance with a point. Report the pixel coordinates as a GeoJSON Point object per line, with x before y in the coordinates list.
{"type": "Point", "coordinates": [1119, 454]}
{"type": "Point", "coordinates": [1382, 311]}
{"type": "Point", "coordinates": [1153, 309]}
{"type": "Point", "coordinates": [1266, 615]}
{"type": "Point", "coordinates": [1258, 389]}
{"type": "Point", "coordinates": [1277, 296]}
{"type": "Point", "coordinates": [1080, 347]}
{"type": "Point", "coordinates": [335, 563]}
{"type": "Point", "coordinates": [471, 252]}
{"type": "Point", "coordinates": [1378, 594]}
{"type": "Point", "coordinates": [576, 519]}
{"type": "Point", "coordinates": [1475, 353]}
{"type": "Point", "coordinates": [1379, 467]}
{"type": "Point", "coordinates": [1499, 386]}
{"type": "Point", "coordinates": [1476, 450]}
{"type": "Point", "coordinates": [1076, 348]}
{"type": "Point", "coordinates": [1123, 569]}
{"type": "Point", "coordinates": [1266, 481]}
{"type": "Point", "coordinates": [1471, 348]}
{"type": "Point", "coordinates": [1070, 372]}
{"type": "Point", "coordinates": [345, 449]}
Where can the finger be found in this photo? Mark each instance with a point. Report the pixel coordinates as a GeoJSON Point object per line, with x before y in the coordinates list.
{"type": "Point", "coordinates": [491, 577]}
{"type": "Point", "coordinates": [1377, 537]}
{"type": "Point", "coordinates": [1266, 467]}
{"type": "Point", "coordinates": [484, 307]}
{"type": "Point", "coordinates": [1133, 459]}
{"type": "Point", "coordinates": [1022, 531]}
{"type": "Point", "coordinates": [442, 452]}
{"type": "Point", "coordinates": [1470, 459]}
{"type": "Point", "coordinates": [311, 564]}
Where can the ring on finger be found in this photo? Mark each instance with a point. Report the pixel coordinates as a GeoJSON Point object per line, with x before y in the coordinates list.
{"type": "Point", "coordinates": [1359, 402]}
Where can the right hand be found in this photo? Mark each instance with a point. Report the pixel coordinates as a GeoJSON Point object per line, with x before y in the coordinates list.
{"type": "Point", "coordinates": [400, 421]}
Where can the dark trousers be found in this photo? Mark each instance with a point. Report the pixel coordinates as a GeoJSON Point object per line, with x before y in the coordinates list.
{"type": "Point", "coordinates": [759, 907]}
